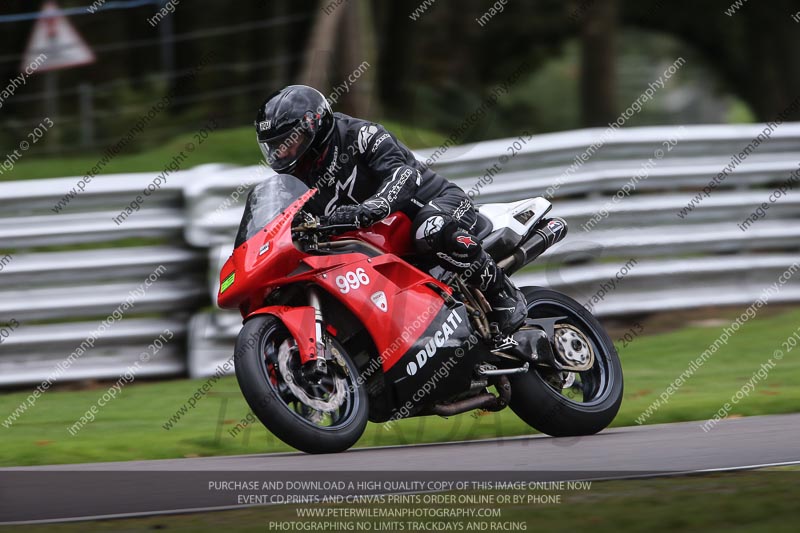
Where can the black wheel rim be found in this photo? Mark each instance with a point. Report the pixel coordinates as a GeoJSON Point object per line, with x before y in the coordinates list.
{"type": "Point", "coordinates": [591, 387]}
{"type": "Point", "coordinates": [326, 421]}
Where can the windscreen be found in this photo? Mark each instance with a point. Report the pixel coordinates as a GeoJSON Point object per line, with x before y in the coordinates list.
{"type": "Point", "coordinates": [266, 201]}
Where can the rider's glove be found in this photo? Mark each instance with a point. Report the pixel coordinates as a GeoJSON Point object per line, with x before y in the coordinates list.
{"type": "Point", "coordinates": [345, 215]}
{"type": "Point", "coordinates": [361, 215]}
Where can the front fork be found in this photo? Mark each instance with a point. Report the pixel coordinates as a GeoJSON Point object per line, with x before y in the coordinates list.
{"type": "Point", "coordinates": [319, 365]}
{"type": "Point", "coordinates": [325, 350]}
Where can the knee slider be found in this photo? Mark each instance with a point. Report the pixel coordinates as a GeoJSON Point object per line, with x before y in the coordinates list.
{"type": "Point", "coordinates": [430, 233]}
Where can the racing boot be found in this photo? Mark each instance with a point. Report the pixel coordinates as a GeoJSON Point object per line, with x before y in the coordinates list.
{"type": "Point", "coordinates": [509, 308]}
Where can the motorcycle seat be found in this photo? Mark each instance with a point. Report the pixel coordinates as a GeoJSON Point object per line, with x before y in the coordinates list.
{"type": "Point", "coordinates": [483, 227]}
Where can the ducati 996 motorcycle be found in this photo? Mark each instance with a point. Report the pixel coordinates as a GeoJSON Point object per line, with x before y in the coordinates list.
{"type": "Point", "coordinates": [344, 325]}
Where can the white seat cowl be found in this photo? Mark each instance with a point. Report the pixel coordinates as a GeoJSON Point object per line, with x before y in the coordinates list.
{"type": "Point", "coordinates": [502, 215]}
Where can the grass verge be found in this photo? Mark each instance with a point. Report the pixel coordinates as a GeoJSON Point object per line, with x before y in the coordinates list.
{"type": "Point", "coordinates": [133, 426]}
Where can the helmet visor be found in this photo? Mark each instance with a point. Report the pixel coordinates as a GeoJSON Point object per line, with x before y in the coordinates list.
{"type": "Point", "coordinates": [282, 152]}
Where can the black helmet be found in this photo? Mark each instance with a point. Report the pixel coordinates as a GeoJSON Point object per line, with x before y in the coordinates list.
{"type": "Point", "coordinates": [292, 123]}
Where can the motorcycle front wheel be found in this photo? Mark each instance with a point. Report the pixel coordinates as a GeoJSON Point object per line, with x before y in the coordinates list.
{"type": "Point", "coordinates": [563, 404]}
{"type": "Point", "coordinates": [312, 413]}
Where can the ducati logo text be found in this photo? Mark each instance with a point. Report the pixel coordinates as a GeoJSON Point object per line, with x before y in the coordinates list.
{"type": "Point", "coordinates": [434, 343]}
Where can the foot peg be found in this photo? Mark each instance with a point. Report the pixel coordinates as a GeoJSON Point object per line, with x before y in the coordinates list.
{"type": "Point", "coordinates": [530, 345]}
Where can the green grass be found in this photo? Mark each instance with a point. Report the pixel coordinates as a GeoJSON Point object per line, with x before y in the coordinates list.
{"type": "Point", "coordinates": [732, 502]}
{"type": "Point", "coordinates": [130, 427]}
{"type": "Point", "coordinates": [235, 146]}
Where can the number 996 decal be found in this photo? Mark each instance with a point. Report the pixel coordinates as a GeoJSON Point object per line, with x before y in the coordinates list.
{"type": "Point", "coordinates": [352, 280]}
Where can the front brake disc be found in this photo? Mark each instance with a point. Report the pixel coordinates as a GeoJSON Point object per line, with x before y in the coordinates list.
{"type": "Point", "coordinates": [335, 399]}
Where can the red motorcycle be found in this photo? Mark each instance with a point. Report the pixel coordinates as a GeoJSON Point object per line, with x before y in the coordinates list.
{"type": "Point", "coordinates": [342, 328]}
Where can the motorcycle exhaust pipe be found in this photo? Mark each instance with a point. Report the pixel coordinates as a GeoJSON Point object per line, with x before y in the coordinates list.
{"type": "Point", "coordinates": [546, 233]}
{"type": "Point", "coordinates": [486, 400]}
{"type": "Point", "coordinates": [481, 401]}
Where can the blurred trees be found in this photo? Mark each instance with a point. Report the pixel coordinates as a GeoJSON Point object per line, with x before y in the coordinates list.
{"type": "Point", "coordinates": [755, 51]}
{"type": "Point", "coordinates": [431, 70]}
{"type": "Point", "coordinates": [752, 53]}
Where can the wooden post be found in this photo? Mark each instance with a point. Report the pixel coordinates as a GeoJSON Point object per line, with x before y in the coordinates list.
{"type": "Point", "coordinates": [598, 63]}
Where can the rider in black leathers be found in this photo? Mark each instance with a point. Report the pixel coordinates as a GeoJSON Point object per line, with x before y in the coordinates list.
{"type": "Point", "coordinates": [364, 173]}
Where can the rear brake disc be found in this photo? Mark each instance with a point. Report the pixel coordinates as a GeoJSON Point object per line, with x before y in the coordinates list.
{"type": "Point", "coordinates": [573, 349]}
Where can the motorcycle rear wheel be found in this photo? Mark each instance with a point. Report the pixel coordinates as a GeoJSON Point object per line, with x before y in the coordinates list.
{"type": "Point", "coordinates": [327, 416]}
{"type": "Point", "coordinates": [591, 400]}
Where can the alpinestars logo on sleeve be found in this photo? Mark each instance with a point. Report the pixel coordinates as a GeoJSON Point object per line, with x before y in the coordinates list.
{"type": "Point", "coordinates": [462, 208]}
{"type": "Point", "coordinates": [379, 141]}
{"type": "Point", "coordinates": [466, 241]}
{"type": "Point", "coordinates": [365, 135]}
{"type": "Point", "coordinates": [329, 176]}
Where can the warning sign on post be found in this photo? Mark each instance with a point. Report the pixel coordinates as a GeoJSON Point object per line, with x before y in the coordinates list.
{"type": "Point", "coordinates": [55, 37]}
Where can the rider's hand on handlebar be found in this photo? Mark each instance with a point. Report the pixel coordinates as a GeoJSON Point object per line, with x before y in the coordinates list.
{"type": "Point", "coordinates": [326, 225]}
{"type": "Point", "coordinates": [345, 215]}
{"type": "Point", "coordinates": [359, 215]}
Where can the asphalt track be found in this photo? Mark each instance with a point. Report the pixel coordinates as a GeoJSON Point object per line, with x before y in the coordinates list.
{"type": "Point", "coordinates": [94, 490]}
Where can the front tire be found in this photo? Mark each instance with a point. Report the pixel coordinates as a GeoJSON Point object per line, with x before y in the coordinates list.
{"type": "Point", "coordinates": [593, 397]}
{"type": "Point", "coordinates": [294, 409]}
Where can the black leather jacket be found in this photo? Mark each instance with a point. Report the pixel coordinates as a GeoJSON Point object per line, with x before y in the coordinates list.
{"type": "Point", "coordinates": [365, 163]}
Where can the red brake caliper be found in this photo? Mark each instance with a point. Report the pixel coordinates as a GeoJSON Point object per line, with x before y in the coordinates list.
{"type": "Point", "coordinates": [273, 377]}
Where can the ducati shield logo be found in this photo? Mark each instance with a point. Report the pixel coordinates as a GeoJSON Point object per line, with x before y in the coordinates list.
{"type": "Point", "coordinates": [379, 299]}
{"type": "Point", "coordinates": [438, 340]}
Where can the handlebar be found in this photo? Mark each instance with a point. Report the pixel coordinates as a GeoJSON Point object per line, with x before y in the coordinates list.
{"type": "Point", "coordinates": [318, 226]}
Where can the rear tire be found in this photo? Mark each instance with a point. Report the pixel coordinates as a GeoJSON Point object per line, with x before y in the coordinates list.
{"type": "Point", "coordinates": [269, 397]}
{"type": "Point", "coordinates": [538, 402]}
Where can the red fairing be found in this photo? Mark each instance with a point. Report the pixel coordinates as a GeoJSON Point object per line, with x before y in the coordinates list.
{"type": "Point", "coordinates": [395, 305]}
{"type": "Point", "coordinates": [261, 263]}
{"type": "Point", "coordinates": [300, 323]}
{"type": "Point", "coordinates": [391, 235]}
{"type": "Point", "coordinates": [393, 299]}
